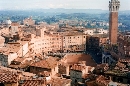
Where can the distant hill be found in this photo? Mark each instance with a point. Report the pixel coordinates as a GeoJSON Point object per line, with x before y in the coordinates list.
{"type": "Point", "coordinates": [62, 10]}
{"type": "Point", "coordinates": [53, 15]}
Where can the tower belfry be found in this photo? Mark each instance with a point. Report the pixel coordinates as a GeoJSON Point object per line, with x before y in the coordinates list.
{"type": "Point", "coordinates": [113, 20]}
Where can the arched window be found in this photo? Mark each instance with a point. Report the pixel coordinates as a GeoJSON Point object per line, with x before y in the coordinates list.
{"type": "Point", "coordinates": [120, 80]}
{"type": "Point", "coordinates": [107, 60]}
{"type": "Point", "coordinates": [110, 8]}
{"type": "Point", "coordinates": [75, 81]}
{"type": "Point", "coordinates": [116, 7]}
{"type": "Point", "coordinates": [114, 79]}
{"type": "Point", "coordinates": [113, 8]}
{"type": "Point", "coordinates": [104, 60]}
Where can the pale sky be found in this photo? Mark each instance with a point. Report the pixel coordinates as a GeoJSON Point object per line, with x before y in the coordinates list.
{"type": "Point", "coordinates": [69, 4]}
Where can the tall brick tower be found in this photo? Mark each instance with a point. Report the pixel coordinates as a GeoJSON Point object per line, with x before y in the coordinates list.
{"type": "Point", "coordinates": [113, 20]}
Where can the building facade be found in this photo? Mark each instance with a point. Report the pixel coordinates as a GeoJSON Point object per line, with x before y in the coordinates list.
{"type": "Point", "coordinates": [2, 40]}
{"type": "Point", "coordinates": [72, 43]}
{"type": "Point", "coordinates": [11, 51]}
{"type": "Point", "coordinates": [107, 58]}
{"type": "Point", "coordinates": [28, 21]}
{"type": "Point", "coordinates": [14, 28]}
{"type": "Point", "coordinates": [93, 43]}
{"type": "Point", "coordinates": [47, 67]}
{"type": "Point", "coordinates": [79, 71]}
{"type": "Point", "coordinates": [124, 44]}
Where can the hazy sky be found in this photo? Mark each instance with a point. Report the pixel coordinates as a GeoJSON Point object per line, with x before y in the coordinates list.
{"type": "Point", "coordinates": [78, 4]}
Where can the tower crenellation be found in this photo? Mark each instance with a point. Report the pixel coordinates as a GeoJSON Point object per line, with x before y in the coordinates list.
{"type": "Point", "coordinates": [114, 5]}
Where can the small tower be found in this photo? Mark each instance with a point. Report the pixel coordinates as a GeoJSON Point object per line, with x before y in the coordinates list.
{"type": "Point", "coordinates": [113, 20]}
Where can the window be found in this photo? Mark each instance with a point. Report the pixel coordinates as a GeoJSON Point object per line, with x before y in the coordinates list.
{"type": "Point", "coordinates": [128, 81]}
{"type": "Point", "coordinates": [120, 80]}
{"type": "Point", "coordinates": [114, 79]}
{"type": "Point", "coordinates": [125, 52]}
{"type": "Point", "coordinates": [116, 7]}
{"type": "Point", "coordinates": [113, 7]}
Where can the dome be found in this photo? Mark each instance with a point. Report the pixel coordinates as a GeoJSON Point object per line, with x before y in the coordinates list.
{"type": "Point", "coordinates": [8, 22]}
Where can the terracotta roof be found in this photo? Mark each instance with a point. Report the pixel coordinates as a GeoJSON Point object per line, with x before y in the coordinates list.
{"type": "Point", "coordinates": [102, 80]}
{"type": "Point", "coordinates": [34, 83]}
{"type": "Point", "coordinates": [77, 67]}
{"type": "Point", "coordinates": [45, 73]}
{"type": "Point", "coordinates": [39, 56]}
{"type": "Point", "coordinates": [57, 75]}
{"type": "Point", "coordinates": [9, 77]}
{"type": "Point", "coordinates": [9, 71]}
{"type": "Point", "coordinates": [20, 63]}
{"type": "Point", "coordinates": [74, 34]}
{"type": "Point", "coordinates": [49, 63]}
{"type": "Point", "coordinates": [117, 72]}
{"type": "Point", "coordinates": [59, 81]}
{"type": "Point", "coordinates": [23, 42]}
{"type": "Point", "coordinates": [75, 58]}
{"type": "Point", "coordinates": [25, 65]}
{"type": "Point", "coordinates": [10, 48]}
{"type": "Point", "coordinates": [19, 59]}
{"type": "Point", "coordinates": [102, 66]}
{"type": "Point", "coordinates": [120, 65]}
{"type": "Point", "coordinates": [125, 60]}
{"type": "Point", "coordinates": [14, 24]}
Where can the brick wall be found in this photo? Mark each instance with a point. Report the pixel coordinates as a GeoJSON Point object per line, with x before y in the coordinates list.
{"type": "Point", "coordinates": [113, 28]}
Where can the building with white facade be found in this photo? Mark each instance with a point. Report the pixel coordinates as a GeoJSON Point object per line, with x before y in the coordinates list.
{"type": "Point", "coordinates": [102, 31]}
{"type": "Point", "coordinates": [89, 31]}
{"type": "Point", "coordinates": [28, 21]}
{"type": "Point", "coordinates": [95, 31]}
{"type": "Point", "coordinates": [11, 51]}
{"type": "Point", "coordinates": [78, 71]}
{"type": "Point", "coordinates": [14, 28]}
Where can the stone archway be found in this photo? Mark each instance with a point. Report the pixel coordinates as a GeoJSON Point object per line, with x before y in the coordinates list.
{"type": "Point", "coordinates": [75, 81]}
{"type": "Point", "coordinates": [1, 84]}
{"type": "Point", "coordinates": [104, 60]}
{"type": "Point", "coordinates": [107, 60]}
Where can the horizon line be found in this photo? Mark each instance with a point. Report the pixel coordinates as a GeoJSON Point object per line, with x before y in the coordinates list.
{"type": "Point", "coordinates": [58, 8]}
